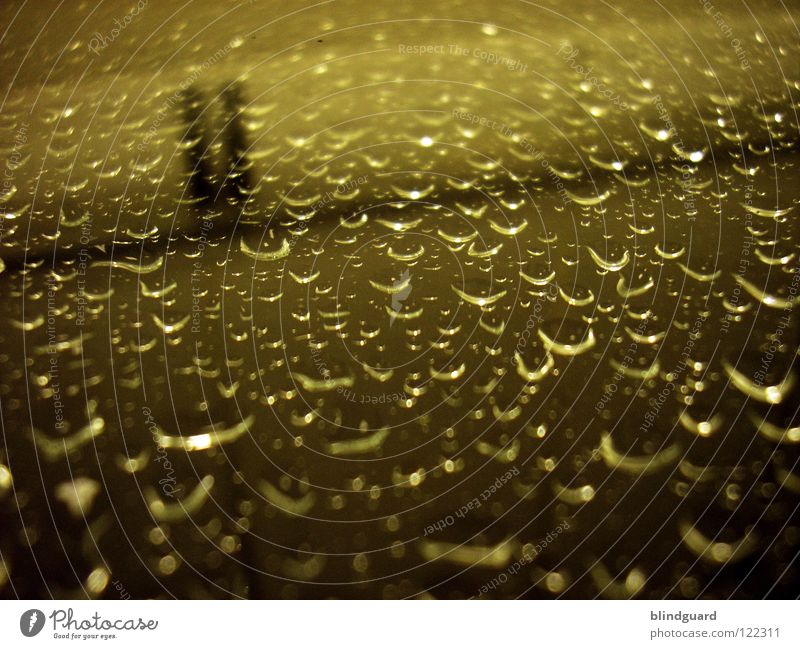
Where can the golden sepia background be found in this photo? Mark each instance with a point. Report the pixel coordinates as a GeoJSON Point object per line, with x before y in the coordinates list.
{"type": "Point", "coordinates": [399, 299]}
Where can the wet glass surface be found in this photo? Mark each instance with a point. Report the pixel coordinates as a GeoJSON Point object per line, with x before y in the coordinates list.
{"type": "Point", "coordinates": [477, 300]}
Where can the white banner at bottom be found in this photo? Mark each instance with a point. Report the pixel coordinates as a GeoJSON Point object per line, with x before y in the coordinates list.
{"type": "Point", "coordinates": [396, 625]}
